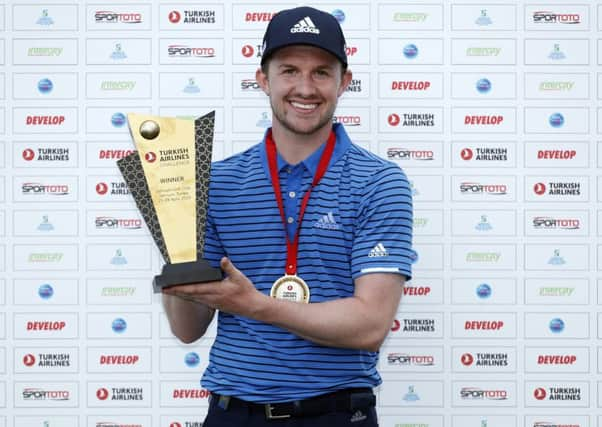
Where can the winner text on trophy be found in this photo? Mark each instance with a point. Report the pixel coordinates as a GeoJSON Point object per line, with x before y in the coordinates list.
{"type": "Point", "coordinates": [168, 176]}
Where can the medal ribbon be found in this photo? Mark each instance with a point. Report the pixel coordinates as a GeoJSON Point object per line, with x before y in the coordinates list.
{"type": "Point", "coordinates": [293, 247]}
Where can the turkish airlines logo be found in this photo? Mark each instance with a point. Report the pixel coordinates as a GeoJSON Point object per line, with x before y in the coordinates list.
{"type": "Point", "coordinates": [467, 359]}
{"type": "Point", "coordinates": [466, 154]}
{"type": "Point", "coordinates": [393, 119]}
{"type": "Point", "coordinates": [28, 154]}
{"type": "Point", "coordinates": [174, 16]}
{"type": "Point", "coordinates": [540, 393]}
{"type": "Point", "coordinates": [396, 325]}
{"type": "Point", "coordinates": [102, 188]}
{"type": "Point", "coordinates": [29, 360]}
{"type": "Point", "coordinates": [539, 188]}
{"type": "Point", "coordinates": [150, 157]}
{"type": "Point", "coordinates": [247, 51]}
{"type": "Point", "coordinates": [102, 394]}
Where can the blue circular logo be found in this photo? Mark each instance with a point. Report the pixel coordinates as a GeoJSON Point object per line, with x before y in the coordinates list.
{"type": "Point", "coordinates": [45, 86]}
{"type": "Point", "coordinates": [483, 85]}
{"type": "Point", "coordinates": [118, 120]}
{"type": "Point", "coordinates": [410, 51]}
{"type": "Point", "coordinates": [45, 291]}
{"type": "Point", "coordinates": [339, 15]}
{"type": "Point", "coordinates": [556, 120]}
{"type": "Point", "coordinates": [556, 325]}
{"type": "Point", "coordinates": [192, 359]}
{"type": "Point", "coordinates": [413, 256]}
{"type": "Point", "coordinates": [119, 325]}
{"type": "Point", "coordinates": [483, 290]}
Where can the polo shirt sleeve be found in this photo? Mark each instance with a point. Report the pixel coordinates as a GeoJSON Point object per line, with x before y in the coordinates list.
{"type": "Point", "coordinates": [213, 249]}
{"type": "Point", "coordinates": [382, 240]}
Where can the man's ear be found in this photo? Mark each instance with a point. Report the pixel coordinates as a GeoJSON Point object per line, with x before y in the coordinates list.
{"type": "Point", "coordinates": [345, 80]}
{"type": "Point", "coordinates": [262, 80]}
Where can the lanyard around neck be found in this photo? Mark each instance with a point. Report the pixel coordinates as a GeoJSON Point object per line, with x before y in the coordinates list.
{"type": "Point", "coordinates": [293, 247]}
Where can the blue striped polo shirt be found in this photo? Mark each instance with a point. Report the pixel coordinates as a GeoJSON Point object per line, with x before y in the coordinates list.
{"type": "Point", "coordinates": [358, 221]}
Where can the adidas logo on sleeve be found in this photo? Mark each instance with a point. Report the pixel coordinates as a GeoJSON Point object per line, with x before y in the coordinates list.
{"type": "Point", "coordinates": [305, 26]}
{"type": "Point", "coordinates": [378, 251]}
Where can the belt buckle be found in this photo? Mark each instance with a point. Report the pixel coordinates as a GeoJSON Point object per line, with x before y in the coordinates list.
{"type": "Point", "coordinates": [268, 413]}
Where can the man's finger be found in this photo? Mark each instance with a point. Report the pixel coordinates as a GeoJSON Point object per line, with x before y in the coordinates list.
{"type": "Point", "coordinates": [228, 267]}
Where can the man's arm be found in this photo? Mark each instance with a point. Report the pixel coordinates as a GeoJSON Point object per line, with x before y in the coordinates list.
{"type": "Point", "coordinates": [360, 322]}
{"type": "Point", "coordinates": [188, 319]}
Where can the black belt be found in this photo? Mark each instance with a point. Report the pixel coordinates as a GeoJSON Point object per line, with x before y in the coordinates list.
{"type": "Point", "coordinates": [342, 400]}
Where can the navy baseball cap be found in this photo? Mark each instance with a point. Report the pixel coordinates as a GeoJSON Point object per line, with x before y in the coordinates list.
{"type": "Point", "coordinates": [304, 25]}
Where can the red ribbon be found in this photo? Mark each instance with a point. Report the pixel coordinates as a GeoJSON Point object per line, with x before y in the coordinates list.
{"type": "Point", "coordinates": [293, 247]}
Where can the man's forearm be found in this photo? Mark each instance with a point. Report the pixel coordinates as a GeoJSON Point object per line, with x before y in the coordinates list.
{"type": "Point", "coordinates": [362, 321]}
{"type": "Point", "coordinates": [188, 319]}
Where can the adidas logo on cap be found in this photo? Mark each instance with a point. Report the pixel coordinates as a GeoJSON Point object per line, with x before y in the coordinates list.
{"type": "Point", "coordinates": [305, 25]}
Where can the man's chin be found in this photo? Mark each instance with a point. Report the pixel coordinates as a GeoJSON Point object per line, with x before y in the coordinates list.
{"type": "Point", "coordinates": [306, 129]}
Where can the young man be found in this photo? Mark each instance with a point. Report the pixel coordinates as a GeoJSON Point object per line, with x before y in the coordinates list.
{"type": "Point", "coordinates": [314, 236]}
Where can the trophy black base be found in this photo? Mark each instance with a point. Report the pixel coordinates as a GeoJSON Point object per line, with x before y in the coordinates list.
{"type": "Point", "coordinates": [184, 273]}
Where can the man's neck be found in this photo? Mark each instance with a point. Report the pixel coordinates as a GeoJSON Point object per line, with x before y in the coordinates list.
{"type": "Point", "coordinates": [295, 148]}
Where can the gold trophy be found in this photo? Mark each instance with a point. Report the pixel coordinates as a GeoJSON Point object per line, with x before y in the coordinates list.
{"type": "Point", "coordinates": [168, 176]}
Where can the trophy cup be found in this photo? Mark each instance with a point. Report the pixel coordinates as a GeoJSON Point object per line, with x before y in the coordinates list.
{"type": "Point", "coordinates": [168, 176]}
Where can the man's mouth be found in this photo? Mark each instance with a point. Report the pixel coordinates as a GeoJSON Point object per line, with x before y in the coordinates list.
{"type": "Point", "coordinates": [303, 106]}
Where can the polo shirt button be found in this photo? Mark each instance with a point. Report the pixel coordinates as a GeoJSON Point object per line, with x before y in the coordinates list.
{"type": "Point", "coordinates": [291, 194]}
{"type": "Point", "coordinates": [290, 219]}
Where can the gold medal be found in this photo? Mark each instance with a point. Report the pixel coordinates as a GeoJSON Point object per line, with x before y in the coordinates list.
{"type": "Point", "coordinates": [290, 288]}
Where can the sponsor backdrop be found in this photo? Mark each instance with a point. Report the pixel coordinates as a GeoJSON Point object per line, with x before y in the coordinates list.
{"type": "Point", "coordinates": [492, 110]}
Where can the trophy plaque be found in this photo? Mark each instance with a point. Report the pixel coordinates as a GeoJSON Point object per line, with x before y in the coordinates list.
{"type": "Point", "coordinates": [168, 176]}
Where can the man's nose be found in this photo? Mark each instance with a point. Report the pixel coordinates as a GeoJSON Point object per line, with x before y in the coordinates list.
{"type": "Point", "coordinates": [305, 85]}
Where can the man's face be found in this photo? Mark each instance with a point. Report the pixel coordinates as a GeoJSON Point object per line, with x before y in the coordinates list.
{"type": "Point", "coordinates": [303, 83]}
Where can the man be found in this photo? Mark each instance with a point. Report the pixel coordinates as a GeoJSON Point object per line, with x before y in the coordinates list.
{"type": "Point", "coordinates": [314, 237]}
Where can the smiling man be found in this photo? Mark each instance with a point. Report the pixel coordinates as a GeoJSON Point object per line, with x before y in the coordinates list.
{"type": "Point", "coordinates": [313, 234]}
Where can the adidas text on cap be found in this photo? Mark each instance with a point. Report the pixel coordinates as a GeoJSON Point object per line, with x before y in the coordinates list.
{"type": "Point", "coordinates": [307, 26]}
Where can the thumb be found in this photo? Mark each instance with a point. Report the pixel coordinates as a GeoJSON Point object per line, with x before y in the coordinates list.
{"type": "Point", "coordinates": [228, 267]}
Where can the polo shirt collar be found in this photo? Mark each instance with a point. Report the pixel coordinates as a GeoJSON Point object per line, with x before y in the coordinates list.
{"type": "Point", "coordinates": [311, 162]}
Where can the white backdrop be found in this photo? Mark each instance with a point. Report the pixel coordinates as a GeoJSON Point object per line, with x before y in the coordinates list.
{"type": "Point", "coordinates": [491, 109]}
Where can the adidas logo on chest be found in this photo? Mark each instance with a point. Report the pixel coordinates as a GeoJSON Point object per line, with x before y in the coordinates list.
{"type": "Point", "coordinates": [327, 222]}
